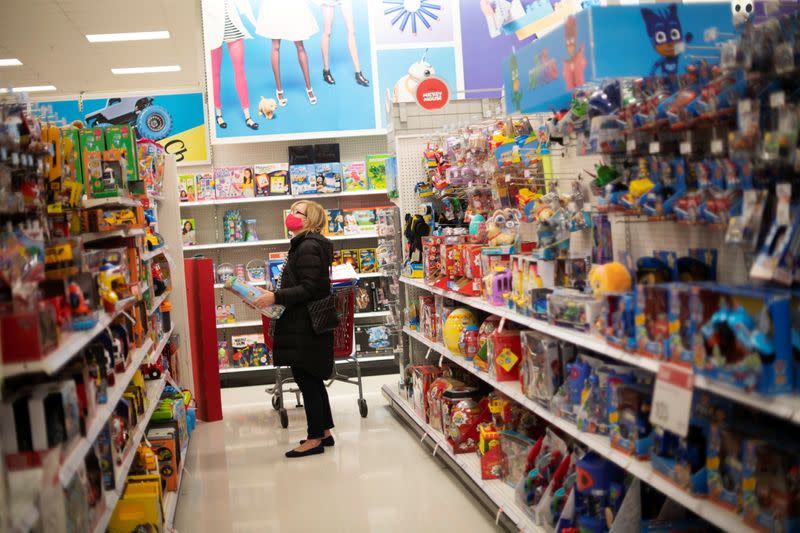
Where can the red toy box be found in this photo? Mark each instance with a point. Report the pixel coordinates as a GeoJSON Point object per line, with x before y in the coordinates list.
{"type": "Point", "coordinates": [505, 354]}
{"type": "Point", "coordinates": [422, 376]}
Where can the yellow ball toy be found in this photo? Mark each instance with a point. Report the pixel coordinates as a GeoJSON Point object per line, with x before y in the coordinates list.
{"type": "Point", "coordinates": [610, 277]}
{"type": "Point", "coordinates": [455, 323]}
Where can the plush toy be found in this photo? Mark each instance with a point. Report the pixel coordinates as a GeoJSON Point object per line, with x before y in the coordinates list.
{"type": "Point", "coordinates": [610, 277]}
{"type": "Point", "coordinates": [503, 227]}
{"type": "Point", "coordinates": [416, 227]}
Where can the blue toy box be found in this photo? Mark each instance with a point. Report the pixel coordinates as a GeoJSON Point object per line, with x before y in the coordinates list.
{"type": "Point", "coordinates": [609, 42]}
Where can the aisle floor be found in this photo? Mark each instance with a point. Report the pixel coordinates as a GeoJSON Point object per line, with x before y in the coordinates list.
{"type": "Point", "coordinates": [376, 478]}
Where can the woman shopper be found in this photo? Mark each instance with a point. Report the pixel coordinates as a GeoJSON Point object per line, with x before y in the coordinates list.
{"type": "Point", "coordinates": [305, 279]}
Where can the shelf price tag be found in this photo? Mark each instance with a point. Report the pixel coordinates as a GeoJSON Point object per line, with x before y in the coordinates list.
{"type": "Point", "coordinates": [716, 146]}
{"type": "Point", "coordinates": [672, 398]}
{"type": "Point", "coordinates": [685, 148]}
{"type": "Point", "coordinates": [655, 147]}
{"type": "Point", "coordinates": [631, 145]}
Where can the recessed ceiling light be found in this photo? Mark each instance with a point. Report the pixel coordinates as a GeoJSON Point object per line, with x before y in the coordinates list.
{"type": "Point", "coordinates": [33, 89]}
{"type": "Point", "coordinates": [147, 70]}
{"type": "Point", "coordinates": [10, 62]}
{"type": "Point", "coordinates": [133, 36]}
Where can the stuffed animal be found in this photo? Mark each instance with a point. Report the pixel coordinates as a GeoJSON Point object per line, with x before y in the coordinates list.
{"type": "Point", "coordinates": [503, 227]}
{"type": "Point", "coordinates": [610, 277]}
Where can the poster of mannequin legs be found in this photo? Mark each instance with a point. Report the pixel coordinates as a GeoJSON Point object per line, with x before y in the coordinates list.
{"type": "Point", "coordinates": [281, 61]}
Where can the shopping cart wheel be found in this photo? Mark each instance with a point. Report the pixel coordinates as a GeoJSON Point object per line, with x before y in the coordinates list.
{"type": "Point", "coordinates": [276, 402]}
{"type": "Point", "coordinates": [284, 418]}
{"type": "Point", "coordinates": [362, 407]}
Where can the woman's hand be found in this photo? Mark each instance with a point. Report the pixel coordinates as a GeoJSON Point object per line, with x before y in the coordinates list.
{"type": "Point", "coordinates": [266, 299]}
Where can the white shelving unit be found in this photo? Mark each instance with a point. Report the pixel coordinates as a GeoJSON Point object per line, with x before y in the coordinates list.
{"type": "Point", "coordinates": [273, 242]}
{"type": "Point", "coordinates": [154, 389]}
{"type": "Point", "coordinates": [149, 256]}
{"type": "Point", "coordinates": [722, 518]}
{"type": "Point", "coordinates": [284, 198]}
{"type": "Point", "coordinates": [498, 491]}
{"type": "Point", "coordinates": [787, 407]}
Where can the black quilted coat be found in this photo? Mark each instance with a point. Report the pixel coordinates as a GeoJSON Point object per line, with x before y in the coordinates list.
{"type": "Point", "coordinates": [305, 278]}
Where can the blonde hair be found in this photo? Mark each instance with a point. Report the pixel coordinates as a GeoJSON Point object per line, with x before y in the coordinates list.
{"type": "Point", "coordinates": [316, 218]}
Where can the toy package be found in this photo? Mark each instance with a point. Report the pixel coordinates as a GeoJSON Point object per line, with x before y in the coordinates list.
{"type": "Point", "coordinates": [151, 162]}
{"type": "Point", "coordinates": [505, 354]}
{"type": "Point", "coordinates": [354, 176]}
{"type": "Point", "coordinates": [226, 314]}
{"type": "Point", "coordinates": [357, 221]}
{"type": "Point", "coordinates": [92, 146]}
{"type": "Point", "coordinates": [335, 222]}
{"type": "Point", "coordinates": [261, 180]}
{"type": "Point", "coordinates": [540, 369]}
{"type": "Point", "coordinates": [249, 294]}
{"type": "Point", "coordinates": [204, 186]}
{"type": "Point", "coordinates": [328, 177]}
{"type": "Point", "coordinates": [249, 350]}
{"type": "Point", "coordinates": [189, 231]}
{"type": "Point", "coordinates": [376, 171]}
{"type": "Point", "coordinates": [228, 182]}
{"type": "Point", "coordinates": [276, 262]}
{"type": "Point", "coordinates": [303, 179]}
{"type": "Point", "coordinates": [248, 185]}
{"type": "Point", "coordinates": [367, 263]}
{"type": "Point", "coordinates": [278, 177]}
{"type": "Point", "coordinates": [629, 413]}
{"type": "Point", "coordinates": [350, 257]}
{"type": "Point", "coordinates": [422, 377]}
{"type": "Point", "coordinates": [465, 419]}
{"type": "Point", "coordinates": [187, 191]}
{"type": "Point", "coordinates": [222, 354]}
{"type": "Point", "coordinates": [123, 138]}
{"type": "Point", "coordinates": [113, 179]}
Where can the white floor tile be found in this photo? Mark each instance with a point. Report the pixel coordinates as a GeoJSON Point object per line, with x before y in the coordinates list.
{"type": "Point", "coordinates": [377, 477]}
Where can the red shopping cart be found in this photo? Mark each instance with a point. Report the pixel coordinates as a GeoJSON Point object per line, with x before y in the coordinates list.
{"type": "Point", "coordinates": [343, 352]}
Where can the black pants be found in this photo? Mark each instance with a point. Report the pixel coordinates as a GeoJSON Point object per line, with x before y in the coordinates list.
{"type": "Point", "coordinates": [315, 400]}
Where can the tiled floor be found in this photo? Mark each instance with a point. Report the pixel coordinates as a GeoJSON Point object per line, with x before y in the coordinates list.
{"type": "Point", "coordinates": [376, 478]}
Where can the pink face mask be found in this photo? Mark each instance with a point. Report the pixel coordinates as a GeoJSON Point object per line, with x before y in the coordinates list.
{"type": "Point", "coordinates": [293, 223]}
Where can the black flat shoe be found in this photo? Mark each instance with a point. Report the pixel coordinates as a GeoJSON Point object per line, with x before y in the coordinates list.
{"type": "Point", "coordinates": [327, 441]}
{"type": "Point", "coordinates": [311, 451]}
{"type": "Point", "coordinates": [221, 122]}
{"type": "Point", "coordinates": [361, 80]}
{"type": "Point", "coordinates": [252, 124]}
{"type": "Point", "coordinates": [328, 77]}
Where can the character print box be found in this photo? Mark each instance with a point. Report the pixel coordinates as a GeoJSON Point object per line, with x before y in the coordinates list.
{"type": "Point", "coordinates": [611, 42]}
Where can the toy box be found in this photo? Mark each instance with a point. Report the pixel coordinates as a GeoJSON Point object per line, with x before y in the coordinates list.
{"type": "Point", "coordinates": [248, 183]}
{"type": "Point", "coordinates": [328, 177]}
{"type": "Point", "coordinates": [279, 180]}
{"type": "Point", "coordinates": [617, 323]}
{"type": "Point", "coordinates": [228, 182]}
{"type": "Point", "coordinates": [261, 180]}
{"type": "Point", "coordinates": [303, 179]}
{"type": "Point", "coordinates": [71, 147]}
{"type": "Point", "coordinates": [599, 490]}
{"type": "Point", "coordinates": [422, 377]}
{"type": "Point", "coordinates": [589, 45]}
{"type": "Point", "coordinates": [358, 221]}
{"type": "Point", "coordinates": [431, 259]}
{"type": "Point", "coordinates": [354, 176]}
{"type": "Point", "coordinates": [655, 321]}
{"type": "Point", "coordinates": [744, 339]}
{"type": "Point", "coordinates": [568, 307]}
{"type": "Point", "coordinates": [540, 370]}
{"type": "Point", "coordinates": [428, 324]}
{"type": "Point", "coordinates": [140, 508]}
{"type": "Point", "coordinates": [466, 417]}
{"type": "Point", "coordinates": [164, 442]}
{"type": "Point", "coordinates": [124, 138]}
{"type": "Point", "coordinates": [92, 145]}
{"type": "Point", "coordinates": [204, 187]}
{"type": "Point", "coordinates": [109, 174]}
{"type": "Point", "coordinates": [629, 417]}
{"type": "Point", "coordinates": [452, 261]}
{"type": "Point", "coordinates": [367, 262]}
{"type": "Point", "coordinates": [472, 282]}
{"type": "Point", "coordinates": [439, 386]}
{"type": "Point", "coordinates": [189, 231]}
{"type": "Point", "coordinates": [725, 461]}
{"type": "Point", "coordinates": [350, 257]}
{"type": "Point", "coordinates": [770, 491]}
{"type": "Point", "coordinates": [682, 460]}
{"type": "Point", "coordinates": [493, 460]}
{"type": "Point", "coordinates": [187, 188]}
{"type": "Point", "coordinates": [505, 355]}
{"type": "Point", "coordinates": [376, 171]}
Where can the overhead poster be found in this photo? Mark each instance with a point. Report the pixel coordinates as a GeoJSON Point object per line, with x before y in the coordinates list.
{"type": "Point", "coordinates": [175, 121]}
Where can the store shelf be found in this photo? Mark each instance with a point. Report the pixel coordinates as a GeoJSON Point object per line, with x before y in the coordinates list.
{"type": "Point", "coordinates": [272, 242]}
{"type": "Point", "coordinates": [501, 494]}
{"type": "Point", "coordinates": [372, 275]}
{"type": "Point", "coordinates": [161, 344]}
{"type": "Point", "coordinates": [171, 498]}
{"type": "Point", "coordinates": [282, 198]}
{"type": "Point", "coordinates": [786, 407]}
{"type": "Point", "coordinates": [722, 518]}
{"type": "Point", "coordinates": [154, 389]}
{"type": "Point", "coordinates": [71, 343]}
{"type": "Point", "coordinates": [155, 253]}
{"type": "Point", "coordinates": [245, 369]}
{"type": "Point", "coordinates": [123, 201]}
{"type": "Point", "coordinates": [372, 314]}
{"type": "Point", "coordinates": [158, 301]}
{"type": "Point", "coordinates": [241, 324]}
{"type": "Point", "coordinates": [99, 235]}
{"type": "Point", "coordinates": [73, 458]}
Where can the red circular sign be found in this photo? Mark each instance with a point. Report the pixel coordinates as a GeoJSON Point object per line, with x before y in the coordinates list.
{"type": "Point", "coordinates": [432, 93]}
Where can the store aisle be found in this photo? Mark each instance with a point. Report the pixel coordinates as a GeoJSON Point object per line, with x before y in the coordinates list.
{"type": "Point", "coordinates": [376, 478]}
